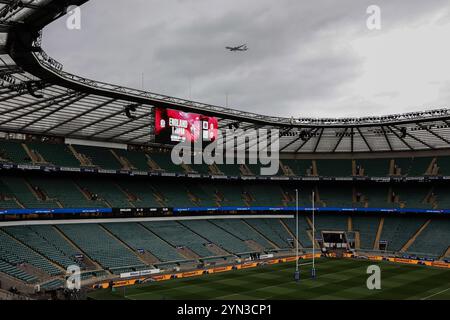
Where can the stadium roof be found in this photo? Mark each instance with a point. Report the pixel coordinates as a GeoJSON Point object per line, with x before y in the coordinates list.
{"type": "Point", "coordinates": [38, 97]}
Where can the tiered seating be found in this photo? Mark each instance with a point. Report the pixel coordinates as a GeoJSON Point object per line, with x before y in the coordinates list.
{"type": "Point", "coordinates": [137, 159]}
{"type": "Point", "coordinates": [367, 227]}
{"type": "Point", "coordinates": [66, 191]}
{"type": "Point", "coordinates": [303, 227]}
{"type": "Point", "coordinates": [46, 247]}
{"type": "Point", "coordinates": [218, 236]}
{"type": "Point", "coordinates": [100, 246]}
{"type": "Point", "coordinates": [231, 170]}
{"type": "Point", "coordinates": [142, 190]}
{"type": "Point", "coordinates": [377, 196]}
{"type": "Point", "coordinates": [398, 230]}
{"type": "Point", "coordinates": [232, 194]}
{"type": "Point", "coordinates": [57, 154]}
{"type": "Point", "coordinates": [272, 230]}
{"type": "Point", "coordinates": [304, 196]}
{"type": "Point", "coordinates": [12, 151]}
{"type": "Point", "coordinates": [139, 238]}
{"type": "Point", "coordinates": [14, 252]}
{"type": "Point", "coordinates": [374, 167]}
{"type": "Point", "coordinates": [179, 236]}
{"type": "Point", "coordinates": [52, 285]}
{"type": "Point", "coordinates": [419, 166]}
{"type": "Point", "coordinates": [7, 197]}
{"type": "Point", "coordinates": [101, 157]}
{"type": "Point", "coordinates": [201, 168]}
{"type": "Point", "coordinates": [331, 222]}
{"type": "Point", "coordinates": [334, 168]}
{"type": "Point", "coordinates": [299, 167]}
{"type": "Point", "coordinates": [23, 193]}
{"type": "Point", "coordinates": [205, 194]}
{"type": "Point", "coordinates": [336, 196]}
{"type": "Point", "coordinates": [266, 194]}
{"type": "Point", "coordinates": [256, 169]}
{"type": "Point", "coordinates": [413, 195]}
{"type": "Point", "coordinates": [175, 194]}
{"type": "Point", "coordinates": [434, 239]}
{"type": "Point", "coordinates": [442, 193]}
{"type": "Point", "coordinates": [165, 162]}
{"type": "Point", "coordinates": [404, 164]}
{"type": "Point", "coordinates": [242, 231]}
{"type": "Point", "coordinates": [106, 190]}
{"type": "Point", "coordinates": [444, 166]}
{"type": "Point", "coordinates": [15, 272]}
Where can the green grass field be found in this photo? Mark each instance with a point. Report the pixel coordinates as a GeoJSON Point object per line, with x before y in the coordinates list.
{"type": "Point", "coordinates": [336, 279]}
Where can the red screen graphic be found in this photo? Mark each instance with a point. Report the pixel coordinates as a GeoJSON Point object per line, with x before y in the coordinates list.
{"type": "Point", "coordinates": [173, 126]}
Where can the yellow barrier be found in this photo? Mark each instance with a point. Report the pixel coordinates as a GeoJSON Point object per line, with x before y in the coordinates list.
{"type": "Point", "coordinates": [195, 273]}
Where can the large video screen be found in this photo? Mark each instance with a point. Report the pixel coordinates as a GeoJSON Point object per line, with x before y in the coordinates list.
{"type": "Point", "coordinates": [173, 126]}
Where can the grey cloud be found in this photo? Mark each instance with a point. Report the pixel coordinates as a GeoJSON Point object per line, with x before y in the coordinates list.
{"type": "Point", "coordinates": [297, 55]}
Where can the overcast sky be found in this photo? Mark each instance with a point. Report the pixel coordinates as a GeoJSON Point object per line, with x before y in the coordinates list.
{"type": "Point", "coordinates": [305, 58]}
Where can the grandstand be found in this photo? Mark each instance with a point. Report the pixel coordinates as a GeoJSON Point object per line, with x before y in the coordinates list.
{"type": "Point", "coordinates": [82, 183]}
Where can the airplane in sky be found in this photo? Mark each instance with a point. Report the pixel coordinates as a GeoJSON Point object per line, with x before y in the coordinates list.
{"type": "Point", "coordinates": [238, 48]}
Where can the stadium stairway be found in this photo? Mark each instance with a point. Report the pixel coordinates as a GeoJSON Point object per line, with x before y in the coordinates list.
{"type": "Point", "coordinates": [138, 237]}
{"type": "Point", "coordinates": [365, 228]}
{"type": "Point", "coordinates": [244, 231]}
{"type": "Point", "coordinates": [285, 226]}
{"type": "Point", "coordinates": [16, 252]}
{"type": "Point", "coordinates": [376, 245]}
{"type": "Point", "coordinates": [178, 236]}
{"type": "Point", "coordinates": [415, 236]}
{"type": "Point", "coordinates": [446, 254]}
{"type": "Point", "coordinates": [102, 247]}
{"type": "Point", "coordinates": [215, 235]}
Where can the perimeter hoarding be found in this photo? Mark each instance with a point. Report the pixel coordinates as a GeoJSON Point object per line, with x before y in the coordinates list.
{"type": "Point", "coordinates": [173, 126]}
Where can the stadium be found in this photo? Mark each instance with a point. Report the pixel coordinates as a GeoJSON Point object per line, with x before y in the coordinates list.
{"type": "Point", "coordinates": [87, 180]}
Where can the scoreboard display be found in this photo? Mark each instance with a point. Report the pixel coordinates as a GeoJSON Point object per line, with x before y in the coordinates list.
{"type": "Point", "coordinates": [173, 126]}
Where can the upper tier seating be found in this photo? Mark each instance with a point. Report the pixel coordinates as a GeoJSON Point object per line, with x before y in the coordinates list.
{"type": "Point", "coordinates": [442, 192]}
{"type": "Point", "coordinates": [374, 167]}
{"type": "Point", "coordinates": [331, 222]}
{"type": "Point", "coordinates": [15, 272]}
{"type": "Point", "coordinates": [243, 231]}
{"type": "Point", "coordinates": [232, 194]}
{"type": "Point", "coordinates": [24, 194]}
{"type": "Point", "coordinates": [66, 191]}
{"type": "Point", "coordinates": [106, 190]}
{"type": "Point", "coordinates": [334, 168]}
{"type": "Point", "coordinates": [336, 196]}
{"type": "Point", "coordinates": [13, 151]}
{"type": "Point", "coordinates": [444, 166]}
{"type": "Point", "coordinates": [101, 246]}
{"type": "Point", "coordinates": [299, 167]}
{"type": "Point", "coordinates": [413, 196]}
{"type": "Point", "coordinates": [138, 160]}
{"type": "Point", "coordinates": [434, 240]}
{"type": "Point", "coordinates": [175, 194]}
{"type": "Point", "coordinates": [7, 197]}
{"type": "Point", "coordinates": [303, 228]}
{"type": "Point", "coordinates": [164, 161]}
{"type": "Point", "coordinates": [139, 238]}
{"type": "Point", "coordinates": [367, 227]}
{"type": "Point", "coordinates": [266, 194]}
